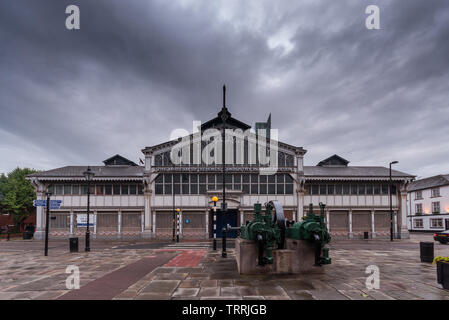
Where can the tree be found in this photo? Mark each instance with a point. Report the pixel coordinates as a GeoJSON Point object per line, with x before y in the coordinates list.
{"type": "Point", "coordinates": [18, 194]}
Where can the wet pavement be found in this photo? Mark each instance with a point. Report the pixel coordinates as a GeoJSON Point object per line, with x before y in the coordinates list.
{"type": "Point", "coordinates": [191, 270]}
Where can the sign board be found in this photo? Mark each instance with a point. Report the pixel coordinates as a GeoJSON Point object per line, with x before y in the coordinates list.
{"type": "Point", "coordinates": [54, 204]}
{"type": "Point", "coordinates": [81, 220]}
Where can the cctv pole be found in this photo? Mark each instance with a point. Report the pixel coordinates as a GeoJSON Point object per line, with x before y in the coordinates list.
{"type": "Point", "coordinates": [47, 218]}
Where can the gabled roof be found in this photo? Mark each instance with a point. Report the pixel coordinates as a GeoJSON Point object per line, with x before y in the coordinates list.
{"type": "Point", "coordinates": [76, 172]}
{"type": "Point", "coordinates": [431, 182]}
{"type": "Point", "coordinates": [118, 160]}
{"type": "Point", "coordinates": [334, 160]}
{"type": "Point", "coordinates": [231, 123]}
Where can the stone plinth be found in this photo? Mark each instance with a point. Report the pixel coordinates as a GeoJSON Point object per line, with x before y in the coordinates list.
{"type": "Point", "coordinates": [298, 257]}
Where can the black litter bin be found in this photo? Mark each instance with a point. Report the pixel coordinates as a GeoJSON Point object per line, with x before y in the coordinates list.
{"type": "Point", "coordinates": [73, 244]}
{"type": "Point", "coordinates": [365, 235]}
{"type": "Point", "coordinates": [426, 251]}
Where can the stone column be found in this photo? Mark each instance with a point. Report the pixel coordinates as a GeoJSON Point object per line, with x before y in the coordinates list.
{"type": "Point", "coordinates": [154, 224]}
{"type": "Point", "coordinates": [40, 189]}
{"type": "Point", "coordinates": [300, 207]}
{"type": "Point", "coordinates": [95, 224]}
{"type": "Point", "coordinates": [299, 161]}
{"type": "Point", "coordinates": [328, 221]}
{"type": "Point", "coordinates": [119, 222]}
{"type": "Point", "coordinates": [71, 224]}
{"type": "Point", "coordinates": [351, 235]}
{"type": "Point", "coordinates": [373, 230]}
{"type": "Point", "coordinates": [242, 217]}
{"type": "Point", "coordinates": [206, 212]}
{"type": "Point", "coordinates": [147, 232]}
{"type": "Point", "coordinates": [403, 232]}
{"type": "Point", "coordinates": [395, 224]}
{"type": "Point", "coordinates": [142, 221]}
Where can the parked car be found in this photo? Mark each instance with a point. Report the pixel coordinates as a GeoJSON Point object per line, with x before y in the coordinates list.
{"type": "Point", "coordinates": [28, 233]}
{"type": "Point", "coordinates": [442, 237]}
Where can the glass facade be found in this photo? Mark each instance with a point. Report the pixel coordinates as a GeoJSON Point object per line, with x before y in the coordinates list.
{"type": "Point", "coordinates": [347, 189]}
{"type": "Point", "coordinates": [96, 189]}
{"type": "Point", "coordinates": [201, 183]}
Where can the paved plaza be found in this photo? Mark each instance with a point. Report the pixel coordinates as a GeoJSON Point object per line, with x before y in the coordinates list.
{"type": "Point", "coordinates": [191, 270]}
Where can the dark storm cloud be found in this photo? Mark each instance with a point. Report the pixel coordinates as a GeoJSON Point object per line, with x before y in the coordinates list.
{"type": "Point", "coordinates": [138, 69]}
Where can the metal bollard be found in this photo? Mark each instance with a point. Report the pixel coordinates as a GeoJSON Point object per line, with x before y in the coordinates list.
{"type": "Point", "coordinates": [223, 252]}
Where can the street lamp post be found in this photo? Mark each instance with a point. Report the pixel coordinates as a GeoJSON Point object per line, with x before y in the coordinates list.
{"type": "Point", "coordinates": [215, 199]}
{"type": "Point", "coordinates": [391, 203]}
{"type": "Point", "coordinates": [224, 117]}
{"type": "Point", "coordinates": [47, 218]}
{"type": "Point", "coordinates": [89, 176]}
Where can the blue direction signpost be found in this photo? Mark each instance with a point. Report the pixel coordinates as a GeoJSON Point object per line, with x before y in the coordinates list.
{"type": "Point", "coordinates": [50, 205]}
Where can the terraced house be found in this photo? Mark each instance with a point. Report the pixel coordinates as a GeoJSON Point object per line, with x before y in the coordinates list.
{"type": "Point", "coordinates": [129, 200]}
{"type": "Point", "coordinates": [429, 204]}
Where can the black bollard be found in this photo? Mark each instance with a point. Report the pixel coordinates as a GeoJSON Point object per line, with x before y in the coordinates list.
{"type": "Point", "coordinates": [223, 252]}
{"type": "Point", "coordinates": [7, 238]}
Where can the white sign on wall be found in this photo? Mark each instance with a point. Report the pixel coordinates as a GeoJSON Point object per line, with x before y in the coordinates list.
{"type": "Point", "coordinates": [81, 220]}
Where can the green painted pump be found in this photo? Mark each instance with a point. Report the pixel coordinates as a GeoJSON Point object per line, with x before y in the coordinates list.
{"type": "Point", "coordinates": [314, 230]}
{"type": "Point", "coordinates": [268, 230]}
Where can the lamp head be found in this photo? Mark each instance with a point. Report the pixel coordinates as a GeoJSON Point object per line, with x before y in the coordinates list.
{"type": "Point", "coordinates": [88, 174]}
{"type": "Point", "coordinates": [178, 210]}
{"type": "Point", "coordinates": [214, 199]}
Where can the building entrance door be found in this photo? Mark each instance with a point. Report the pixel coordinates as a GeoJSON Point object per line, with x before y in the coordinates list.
{"type": "Point", "coordinates": [231, 218]}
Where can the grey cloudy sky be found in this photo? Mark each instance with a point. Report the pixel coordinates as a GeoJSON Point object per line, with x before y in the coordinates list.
{"type": "Point", "coordinates": [138, 69]}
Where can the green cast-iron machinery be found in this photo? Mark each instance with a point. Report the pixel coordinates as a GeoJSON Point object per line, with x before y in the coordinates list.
{"type": "Point", "coordinates": [314, 230]}
{"type": "Point", "coordinates": [267, 230]}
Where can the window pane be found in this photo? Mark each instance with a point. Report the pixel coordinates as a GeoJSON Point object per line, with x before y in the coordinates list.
{"type": "Point", "coordinates": [219, 179]}
{"type": "Point", "coordinates": [338, 189]}
{"type": "Point", "coordinates": [176, 177]}
{"type": "Point", "coordinates": [51, 189]}
{"type": "Point", "coordinates": [167, 178]}
{"type": "Point", "coordinates": [237, 178]}
{"type": "Point", "coordinates": [167, 189]}
{"type": "Point", "coordinates": [159, 179]}
{"type": "Point", "coordinates": [322, 189]}
{"type": "Point", "coordinates": [245, 188]}
{"type": "Point", "coordinates": [185, 189]}
{"type": "Point", "coordinates": [75, 189]}
{"type": "Point", "coordinates": [58, 190]}
{"type": "Point", "coordinates": [346, 189]}
{"type": "Point", "coordinates": [84, 189]}
{"type": "Point", "coordinates": [194, 178]}
{"type": "Point", "coordinates": [116, 189]}
{"type": "Point", "coordinates": [140, 189]}
{"type": "Point", "coordinates": [202, 189]}
{"type": "Point", "coordinates": [353, 189]}
{"type": "Point", "coordinates": [361, 189]}
{"type": "Point", "coordinates": [280, 178]}
{"type": "Point", "coordinates": [159, 189]}
{"type": "Point", "coordinates": [263, 179]}
{"type": "Point", "coordinates": [289, 188]}
{"type": "Point", "coordinates": [108, 189]}
{"type": "Point", "coordinates": [68, 189]}
{"type": "Point", "coordinates": [271, 178]}
{"type": "Point", "coordinates": [132, 189]}
{"type": "Point", "coordinates": [100, 190]}
{"type": "Point", "coordinates": [288, 178]}
{"type": "Point", "coordinates": [384, 189]}
{"type": "Point", "coordinates": [254, 178]}
{"type": "Point", "coordinates": [315, 189]}
{"type": "Point", "coordinates": [280, 189]}
{"type": "Point", "coordinates": [177, 188]}
{"type": "Point", "coordinates": [271, 188]}
{"type": "Point", "coordinates": [211, 187]}
{"type": "Point", "coordinates": [254, 189]}
{"type": "Point", "coordinates": [245, 178]}
{"type": "Point", "coordinates": [194, 189]}
{"type": "Point", "coordinates": [125, 189]}
{"type": "Point", "coordinates": [263, 189]}
{"type": "Point", "coordinates": [376, 189]}
{"type": "Point", "coordinates": [330, 189]}
{"type": "Point", "coordinates": [202, 178]}
{"type": "Point", "coordinates": [185, 178]}
{"type": "Point", "coordinates": [369, 189]}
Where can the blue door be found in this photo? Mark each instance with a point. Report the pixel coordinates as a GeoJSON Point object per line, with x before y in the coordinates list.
{"type": "Point", "coordinates": [230, 218]}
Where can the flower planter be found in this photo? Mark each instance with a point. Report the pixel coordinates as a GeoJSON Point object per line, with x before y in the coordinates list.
{"type": "Point", "coordinates": [443, 274]}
